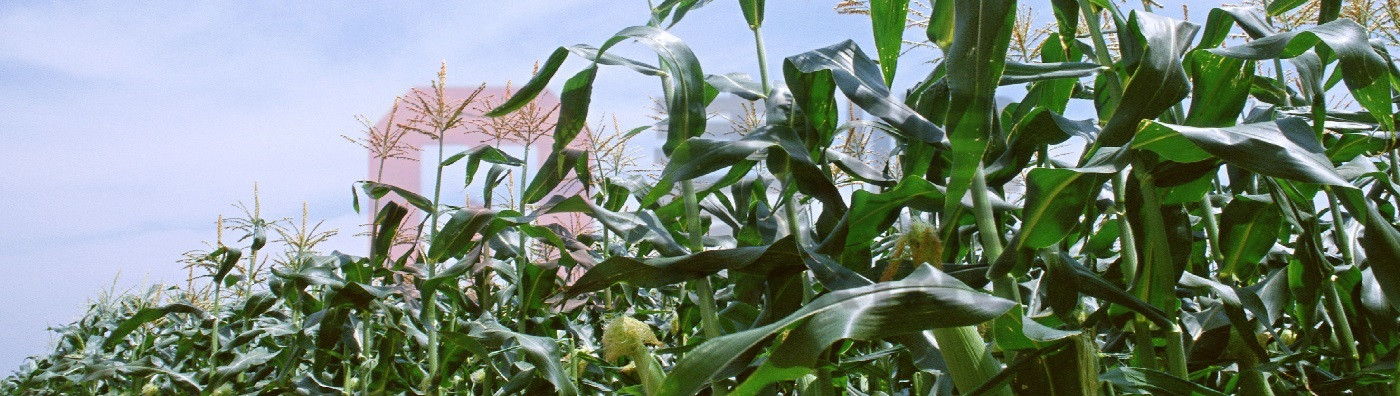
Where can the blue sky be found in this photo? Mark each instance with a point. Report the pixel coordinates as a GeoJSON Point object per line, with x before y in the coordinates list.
{"type": "Point", "coordinates": [129, 127]}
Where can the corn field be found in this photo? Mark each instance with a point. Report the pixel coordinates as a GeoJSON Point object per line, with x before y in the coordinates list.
{"type": "Point", "coordinates": [1222, 222]}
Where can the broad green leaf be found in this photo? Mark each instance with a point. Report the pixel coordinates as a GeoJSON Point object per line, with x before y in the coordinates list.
{"type": "Point", "coordinates": [1071, 370]}
{"type": "Point", "coordinates": [389, 219]}
{"type": "Point", "coordinates": [1167, 143]}
{"type": "Point", "coordinates": [532, 89]}
{"type": "Point", "coordinates": [1055, 199]}
{"type": "Point", "coordinates": [543, 352]}
{"type": "Point", "coordinates": [631, 227]}
{"type": "Point", "coordinates": [981, 37]}
{"type": "Point", "coordinates": [663, 271]}
{"type": "Point", "coordinates": [1136, 379]}
{"type": "Point", "coordinates": [1286, 148]}
{"type": "Point", "coordinates": [554, 171]}
{"type": "Point", "coordinates": [147, 315]}
{"type": "Point", "coordinates": [573, 107]}
{"type": "Point", "coordinates": [1365, 72]}
{"type": "Point", "coordinates": [1051, 94]}
{"type": "Point", "coordinates": [739, 84]}
{"type": "Point", "coordinates": [1158, 80]}
{"type": "Point", "coordinates": [887, 19]}
{"type": "Point", "coordinates": [1020, 73]}
{"type": "Point", "coordinates": [859, 79]}
{"type": "Point", "coordinates": [456, 236]}
{"type": "Point", "coordinates": [808, 104]}
{"type": "Point", "coordinates": [753, 13]}
{"type": "Point", "coordinates": [686, 101]}
{"type": "Point", "coordinates": [1219, 88]}
{"type": "Point", "coordinates": [1249, 225]}
{"type": "Point", "coordinates": [1280, 7]}
{"type": "Point", "coordinates": [926, 299]}
{"type": "Point", "coordinates": [377, 190]}
{"type": "Point", "coordinates": [874, 213]}
{"type": "Point", "coordinates": [941, 24]}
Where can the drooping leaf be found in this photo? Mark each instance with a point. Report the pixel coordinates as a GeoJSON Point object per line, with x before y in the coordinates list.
{"type": "Point", "coordinates": [543, 352]}
{"type": "Point", "coordinates": [859, 79]}
{"type": "Point", "coordinates": [1155, 382]}
{"type": "Point", "coordinates": [389, 219]}
{"type": "Point", "coordinates": [924, 300]}
{"type": "Point", "coordinates": [225, 258]}
{"type": "Point", "coordinates": [1020, 73]}
{"type": "Point", "coordinates": [1158, 80]}
{"type": "Point", "coordinates": [1366, 74]}
{"type": "Point", "coordinates": [631, 227]}
{"type": "Point", "coordinates": [686, 101]}
{"type": "Point", "coordinates": [676, 8]}
{"type": "Point", "coordinates": [740, 84]}
{"type": "Point", "coordinates": [1286, 148]}
{"type": "Point", "coordinates": [474, 157]}
{"type": "Point", "coordinates": [1380, 240]}
{"type": "Point", "coordinates": [591, 52]}
{"type": "Point", "coordinates": [1038, 129]}
{"type": "Point", "coordinates": [1094, 285]}
{"type": "Point", "coordinates": [670, 270]}
{"type": "Point", "coordinates": [147, 315]}
{"type": "Point", "coordinates": [377, 190]}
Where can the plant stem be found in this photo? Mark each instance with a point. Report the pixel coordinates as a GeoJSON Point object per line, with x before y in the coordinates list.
{"type": "Point", "coordinates": [762, 61]}
{"type": "Point", "coordinates": [1126, 239]}
{"type": "Point", "coordinates": [969, 362]}
{"type": "Point", "coordinates": [429, 318]}
{"type": "Point", "coordinates": [987, 230]}
{"type": "Point", "coordinates": [990, 236]}
{"type": "Point", "coordinates": [1212, 229]}
{"type": "Point", "coordinates": [1152, 283]}
{"type": "Point", "coordinates": [1115, 88]}
{"type": "Point", "coordinates": [709, 320]}
{"type": "Point", "coordinates": [214, 331]}
{"type": "Point", "coordinates": [1339, 230]}
{"type": "Point", "coordinates": [1340, 324]}
{"type": "Point", "coordinates": [523, 258]}
{"type": "Point", "coordinates": [1176, 353]}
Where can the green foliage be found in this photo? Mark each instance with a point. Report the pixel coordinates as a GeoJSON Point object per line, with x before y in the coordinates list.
{"type": "Point", "coordinates": [1202, 242]}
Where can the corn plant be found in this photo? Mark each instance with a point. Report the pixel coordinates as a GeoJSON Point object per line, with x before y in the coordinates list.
{"type": "Point", "coordinates": [1223, 221]}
